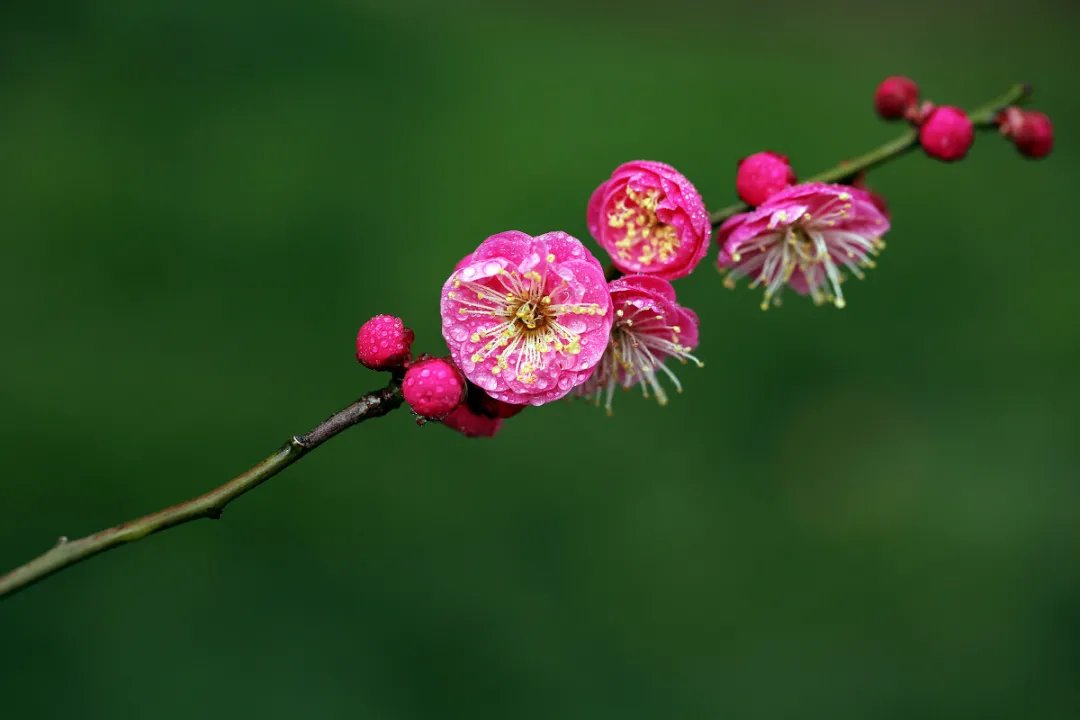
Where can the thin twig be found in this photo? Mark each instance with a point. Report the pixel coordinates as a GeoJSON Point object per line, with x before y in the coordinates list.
{"type": "Point", "coordinates": [209, 505]}
{"type": "Point", "coordinates": [983, 117]}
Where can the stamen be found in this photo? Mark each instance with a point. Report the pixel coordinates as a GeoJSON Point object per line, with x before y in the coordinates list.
{"type": "Point", "coordinates": [526, 324]}
{"type": "Point", "coordinates": [646, 240]}
{"type": "Point", "coordinates": [641, 340]}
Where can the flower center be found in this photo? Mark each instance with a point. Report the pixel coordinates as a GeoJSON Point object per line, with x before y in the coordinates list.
{"type": "Point", "coordinates": [645, 239]}
{"type": "Point", "coordinates": [804, 252]}
{"type": "Point", "coordinates": [526, 322]}
{"type": "Point", "coordinates": [531, 314]}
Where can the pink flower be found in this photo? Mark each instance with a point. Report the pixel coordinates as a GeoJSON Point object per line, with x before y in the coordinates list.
{"type": "Point", "coordinates": [650, 326]}
{"type": "Point", "coordinates": [803, 236]}
{"type": "Point", "coordinates": [650, 219]}
{"type": "Point", "coordinates": [527, 319]}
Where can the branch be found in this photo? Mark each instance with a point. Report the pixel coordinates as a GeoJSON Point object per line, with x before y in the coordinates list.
{"type": "Point", "coordinates": [380, 402]}
{"type": "Point", "coordinates": [983, 117]}
{"type": "Point", "coordinates": [209, 505]}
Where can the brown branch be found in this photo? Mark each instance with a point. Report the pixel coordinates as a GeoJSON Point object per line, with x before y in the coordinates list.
{"type": "Point", "coordinates": [209, 505]}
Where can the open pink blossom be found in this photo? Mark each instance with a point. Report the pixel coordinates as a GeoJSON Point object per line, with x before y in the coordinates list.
{"type": "Point", "coordinates": [650, 219]}
{"type": "Point", "coordinates": [650, 327]}
{"type": "Point", "coordinates": [526, 318]}
{"type": "Point", "coordinates": [803, 236]}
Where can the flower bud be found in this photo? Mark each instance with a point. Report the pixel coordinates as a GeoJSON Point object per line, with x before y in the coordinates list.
{"type": "Point", "coordinates": [433, 388]}
{"type": "Point", "coordinates": [761, 175]}
{"type": "Point", "coordinates": [470, 423]}
{"type": "Point", "coordinates": [895, 96]}
{"type": "Point", "coordinates": [383, 343]}
{"type": "Point", "coordinates": [947, 134]}
{"type": "Point", "coordinates": [1031, 131]}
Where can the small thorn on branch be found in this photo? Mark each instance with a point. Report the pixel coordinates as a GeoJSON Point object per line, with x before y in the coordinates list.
{"type": "Point", "coordinates": [62, 540]}
{"type": "Point", "coordinates": [215, 513]}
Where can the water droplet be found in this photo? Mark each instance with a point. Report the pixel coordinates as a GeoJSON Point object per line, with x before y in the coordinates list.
{"type": "Point", "coordinates": [468, 273]}
{"type": "Point", "coordinates": [492, 267]}
{"type": "Point", "coordinates": [565, 383]}
{"type": "Point", "coordinates": [459, 333]}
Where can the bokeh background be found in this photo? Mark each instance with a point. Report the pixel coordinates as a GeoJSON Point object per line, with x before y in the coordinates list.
{"type": "Point", "coordinates": [870, 513]}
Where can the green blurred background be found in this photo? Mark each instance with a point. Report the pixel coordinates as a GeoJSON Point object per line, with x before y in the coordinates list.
{"type": "Point", "coordinates": [868, 513]}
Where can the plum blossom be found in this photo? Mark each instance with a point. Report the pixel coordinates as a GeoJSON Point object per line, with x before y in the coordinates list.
{"type": "Point", "coordinates": [803, 236]}
{"type": "Point", "coordinates": [527, 319]}
{"type": "Point", "coordinates": [650, 327]}
{"type": "Point", "coordinates": [650, 219]}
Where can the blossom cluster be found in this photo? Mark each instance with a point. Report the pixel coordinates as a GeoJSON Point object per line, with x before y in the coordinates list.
{"type": "Point", "coordinates": [532, 319]}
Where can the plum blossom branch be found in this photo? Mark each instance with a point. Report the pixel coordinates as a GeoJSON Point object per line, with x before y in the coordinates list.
{"type": "Point", "coordinates": [984, 118]}
{"type": "Point", "coordinates": [208, 505]}
{"type": "Point", "coordinates": [529, 320]}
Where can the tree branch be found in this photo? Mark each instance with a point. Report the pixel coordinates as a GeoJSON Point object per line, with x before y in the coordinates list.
{"type": "Point", "coordinates": [209, 505]}
{"type": "Point", "coordinates": [983, 117]}
{"type": "Point", "coordinates": [380, 402]}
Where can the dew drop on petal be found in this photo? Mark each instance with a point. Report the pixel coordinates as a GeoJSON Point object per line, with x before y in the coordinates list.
{"type": "Point", "coordinates": [459, 333]}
